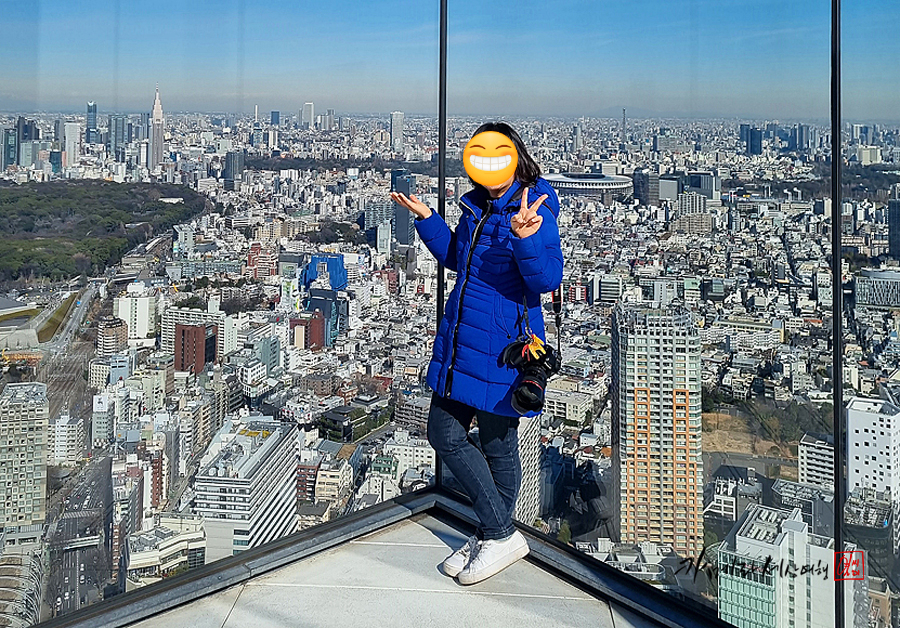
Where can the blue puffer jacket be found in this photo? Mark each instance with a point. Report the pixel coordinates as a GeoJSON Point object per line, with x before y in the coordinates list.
{"type": "Point", "coordinates": [484, 311]}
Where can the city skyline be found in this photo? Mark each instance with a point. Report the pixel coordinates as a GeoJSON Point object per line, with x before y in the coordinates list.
{"type": "Point", "coordinates": [656, 59]}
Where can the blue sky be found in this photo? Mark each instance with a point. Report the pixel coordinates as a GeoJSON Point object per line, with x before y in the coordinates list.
{"type": "Point", "coordinates": [730, 58]}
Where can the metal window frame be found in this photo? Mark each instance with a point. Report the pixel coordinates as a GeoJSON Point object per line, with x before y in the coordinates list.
{"type": "Point", "coordinates": [837, 302]}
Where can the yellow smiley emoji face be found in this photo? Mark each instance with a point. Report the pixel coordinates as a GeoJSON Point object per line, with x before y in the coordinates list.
{"type": "Point", "coordinates": [490, 158]}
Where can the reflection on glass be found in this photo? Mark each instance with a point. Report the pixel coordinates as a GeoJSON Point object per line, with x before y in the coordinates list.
{"type": "Point", "coordinates": [870, 142]}
{"type": "Point", "coordinates": [202, 263]}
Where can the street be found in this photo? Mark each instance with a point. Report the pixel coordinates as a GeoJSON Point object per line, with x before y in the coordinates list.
{"type": "Point", "coordinates": [78, 575]}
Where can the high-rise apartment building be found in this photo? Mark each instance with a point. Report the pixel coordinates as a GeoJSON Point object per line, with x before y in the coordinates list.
{"type": "Point", "coordinates": [227, 326]}
{"type": "Point", "coordinates": [195, 347]}
{"type": "Point", "coordinates": [66, 441]}
{"type": "Point", "coordinates": [91, 135]}
{"type": "Point", "coordinates": [155, 158]}
{"type": "Point", "coordinates": [816, 453]}
{"type": "Point", "coordinates": [137, 307]}
{"type": "Point", "coordinates": [656, 405]}
{"type": "Point", "coordinates": [24, 435]}
{"type": "Point", "coordinates": [397, 131]}
{"type": "Point", "coordinates": [689, 203]}
{"type": "Point", "coordinates": [112, 336]}
{"type": "Point", "coordinates": [246, 488]}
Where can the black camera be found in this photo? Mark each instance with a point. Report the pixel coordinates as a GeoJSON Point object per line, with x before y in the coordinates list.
{"type": "Point", "coordinates": [537, 362]}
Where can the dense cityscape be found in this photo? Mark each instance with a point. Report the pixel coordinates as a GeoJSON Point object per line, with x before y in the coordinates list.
{"type": "Point", "coordinates": [237, 350]}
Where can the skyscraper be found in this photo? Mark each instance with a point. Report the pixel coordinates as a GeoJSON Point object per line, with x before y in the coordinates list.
{"type": "Point", "coordinates": [156, 134]}
{"type": "Point", "coordinates": [803, 137]}
{"type": "Point", "coordinates": [24, 413]}
{"type": "Point", "coordinates": [275, 118]}
{"type": "Point", "coordinates": [10, 148]}
{"type": "Point", "coordinates": [307, 116]}
{"type": "Point", "coordinates": [26, 131]}
{"type": "Point", "coordinates": [118, 125]}
{"type": "Point", "coordinates": [234, 168]}
{"type": "Point", "coordinates": [91, 136]}
{"type": "Point", "coordinates": [893, 216]}
{"type": "Point", "coordinates": [646, 187]}
{"type": "Point", "coordinates": [404, 220]}
{"type": "Point", "coordinates": [73, 143]}
{"type": "Point", "coordinates": [754, 143]}
{"type": "Point", "coordinates": [397, 131]}
{"type": "Point", "coordinates": [656, 405]}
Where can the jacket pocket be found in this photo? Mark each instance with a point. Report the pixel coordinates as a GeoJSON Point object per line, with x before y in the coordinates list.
{"type": "Point", "coordinates": [502, 323]}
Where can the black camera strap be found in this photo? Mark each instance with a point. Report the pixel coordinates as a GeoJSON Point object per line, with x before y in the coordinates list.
{"type": "Point", "coordinates": [556, 296]}
{"type": "Point", "coordinates": [557, 310]}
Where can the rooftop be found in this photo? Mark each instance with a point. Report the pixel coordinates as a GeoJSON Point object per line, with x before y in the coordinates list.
{"type": "Point", "coordinates": [240, 445]}
{"type": "Point", "coordinates": [763, 524]}
{"type": "Point", "coordinates": [22, 393]}
{"type": "Point", "coordinates": [381, 566]}
{"type": "Point", "coordinates": [875, 406]}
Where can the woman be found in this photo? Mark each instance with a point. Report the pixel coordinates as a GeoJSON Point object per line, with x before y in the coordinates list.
{"type": "Point", "coordinates": [505, 252]}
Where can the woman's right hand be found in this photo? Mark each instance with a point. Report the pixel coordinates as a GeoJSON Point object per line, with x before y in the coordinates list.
{"type": "Point", "coordinates": [411, 203]}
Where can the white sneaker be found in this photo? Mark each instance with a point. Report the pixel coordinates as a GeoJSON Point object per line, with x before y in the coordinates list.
{"type": "Point", "coordinates": [493, 557]}
{"type": "Point", "coordinates": [456, 561]}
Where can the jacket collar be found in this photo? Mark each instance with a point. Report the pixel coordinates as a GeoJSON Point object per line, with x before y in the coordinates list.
{"type": "Point", "coordinates": [478, 199]}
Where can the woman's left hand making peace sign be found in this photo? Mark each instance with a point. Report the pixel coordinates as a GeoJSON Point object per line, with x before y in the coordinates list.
{"type": "Point", "coordinates": [527, 221]}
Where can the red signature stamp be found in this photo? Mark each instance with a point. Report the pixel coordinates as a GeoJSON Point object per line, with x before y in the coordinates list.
{"type": "Point", "coordinates": [850, 565]}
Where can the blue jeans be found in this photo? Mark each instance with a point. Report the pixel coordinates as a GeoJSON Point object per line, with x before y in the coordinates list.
{"type": "Point", "coordinates": [489, 471]}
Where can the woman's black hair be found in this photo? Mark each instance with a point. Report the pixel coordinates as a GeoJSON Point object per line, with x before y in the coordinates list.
{"type": "Point", "coordinates": [527, 170]}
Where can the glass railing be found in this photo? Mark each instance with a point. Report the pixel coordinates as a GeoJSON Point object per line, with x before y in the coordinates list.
{"type": "Point", "coordinates": [871, 214]}
{"type": "Point", "coordinates": [202, 267]}
{"type": "Point", "coordinates": [218, 329]}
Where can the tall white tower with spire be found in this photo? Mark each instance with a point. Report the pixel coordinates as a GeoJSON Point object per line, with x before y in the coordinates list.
{"type": "Point", "coordinates": [156, 135]}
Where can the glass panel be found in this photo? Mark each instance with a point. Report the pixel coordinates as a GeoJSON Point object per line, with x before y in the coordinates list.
{"type": "Point", "coordinates": [871, 248]}
{"type": "Point", "coordinates": [691, 165]}
{"type": "Point", "coordinates": [203, 264]}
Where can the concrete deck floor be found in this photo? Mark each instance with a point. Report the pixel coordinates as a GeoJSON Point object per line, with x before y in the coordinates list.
{"type": "Point", "coordinates": [392, 579]}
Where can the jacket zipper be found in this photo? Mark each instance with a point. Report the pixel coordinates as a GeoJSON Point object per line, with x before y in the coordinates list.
{"type": "Point", "coordinates": [462, 293]}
